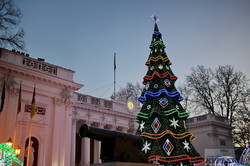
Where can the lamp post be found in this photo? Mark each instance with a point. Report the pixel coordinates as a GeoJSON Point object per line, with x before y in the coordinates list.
{"type": "Point", "coordinates": [17, 150]}
{"type": "Point", "coordinates": [9, 142]}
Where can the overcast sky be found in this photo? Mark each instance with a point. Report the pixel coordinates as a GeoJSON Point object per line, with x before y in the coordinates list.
{"type": "Point", "coordinates": [83, 35]}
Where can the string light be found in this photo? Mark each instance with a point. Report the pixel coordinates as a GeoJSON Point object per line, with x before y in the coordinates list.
{"type": "Point", "coordinates": [176, 136]}
{"type": "Point", "coordinates": [160, 92]}
{"type": "Point", "coordinates": [163, 75]}
{"type": "Point", "coordinates": [165, 113]}
{"type": "Point", "coordinates": [157, 33]}
{"type": "Point", "coordinates": [171, 111]}
{"type": "Point", "coordinates": [154, 59]}
{"type": "Point", "coordinates": [157, 43]}
{"type": "Point", "coordinates": [176, 158]}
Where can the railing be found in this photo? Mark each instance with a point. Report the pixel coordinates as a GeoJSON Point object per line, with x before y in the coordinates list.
{"type": "Point", "coordinates": [85, 99]}
{"type": "Point", "coordinates": [208, 117]}
{"type": "Point", "coordinates": [40, 65]}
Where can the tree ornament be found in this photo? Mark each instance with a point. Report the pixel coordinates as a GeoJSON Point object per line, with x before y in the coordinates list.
{"type": "Point", "coordinates": [147, 86]}
{"type": "Point", "coordinates": [152, 68]}
{"type": "Point", "coordinates": [168, 147]}
{"type": "Point", "coordinates": [156, 86]}
{"type": "Point", "coordinates": [142, 126]}
{"type": "Point", "coordinates": [186, 145]}
{"type": "Point", "coordinates": [156, 161]}
{"type": "Point", "coordinates": [160, 66]}
{"type": "Point", "coordinates": [174, 123]}
{"type": "Point", "coordinates": [156, 125]}
{"type": "Point", "coordinates": [177, 107]}
{"type": "Point", "coordinates": [148, 107]}
{"type": "Point", "coordinates": [167, 82]}
{"type": "Point", "coordinates": [167, 67]}
{"type": "Point", "coordinates": [146, 146]}
{"type": "Point", "coordinates": [163, 102]}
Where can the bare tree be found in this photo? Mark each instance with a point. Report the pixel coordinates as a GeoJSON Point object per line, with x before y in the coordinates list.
{"type": "Point", "coordinates": [131, 91]}
{"type": "Point", "coordinates": [231, 92]}
{"type": "Point", "coordinates": [222, 92]}
{"type": "Point", "coordinates": [241, 127]}
{"type": "Point", "coordinates": [201, 84]}
{"type": "Point", "coordinates": [10, 33]}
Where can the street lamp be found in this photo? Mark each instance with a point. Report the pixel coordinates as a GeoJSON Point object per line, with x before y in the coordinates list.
{"type": "Point", "coordinates": [9, 142]}
{"type": "Point", "coordinates": [18, 150]}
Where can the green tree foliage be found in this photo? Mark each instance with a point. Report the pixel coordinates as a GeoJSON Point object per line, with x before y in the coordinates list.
{"type": "Point", "coordinates": [162, 118]}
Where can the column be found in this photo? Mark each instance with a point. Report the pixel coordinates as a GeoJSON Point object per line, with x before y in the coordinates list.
{"type": "Point", "coordinates": [58, 137]}
{"type": "Point", "coordinates": [97, 151]}
{"type": "Point", "coordinates": [73, 142]}
{"type": "Point", "coordinates": [85, 158]}
{"type": "Point", "coordinates": [68, 134]}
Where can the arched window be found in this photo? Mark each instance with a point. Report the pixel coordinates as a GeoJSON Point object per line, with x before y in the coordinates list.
{"type": "Point", "coordinates": [33, 154]}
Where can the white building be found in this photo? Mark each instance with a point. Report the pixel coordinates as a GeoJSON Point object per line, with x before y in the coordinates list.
{"type": "Point", "coordinates": [61, 111]}
{"type": "Point", "coordinates": [214, 136]}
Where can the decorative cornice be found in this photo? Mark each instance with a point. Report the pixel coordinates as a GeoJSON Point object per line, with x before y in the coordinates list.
{"type": "Point", "coordinates": [61, 101]}
{"type": "Point", "coordinates": [207, 123]}
{"type": "Point", "coordinates": [40, 77]}
{"type": "Point", "coordinates": [101, 110]}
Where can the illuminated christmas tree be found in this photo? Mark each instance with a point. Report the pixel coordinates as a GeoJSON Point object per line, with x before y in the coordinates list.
{"type": "Point", "coordinates": [162, 118]}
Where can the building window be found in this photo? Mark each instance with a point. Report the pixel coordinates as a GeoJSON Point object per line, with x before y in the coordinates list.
{"type": "Point", "coordinates": [222, 142]}
{"type": "Point", "coordinates": [39, 110]}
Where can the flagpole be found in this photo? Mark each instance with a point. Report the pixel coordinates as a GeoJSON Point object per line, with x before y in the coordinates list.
{"type": "Point", "coordinates": [32, 113]}
{"type": "Point", "coordinates": [28, 154]}
{"type": "Point", "coordinates": [114, 73]}
{"type": "Point", "coordinates": [18, 111]}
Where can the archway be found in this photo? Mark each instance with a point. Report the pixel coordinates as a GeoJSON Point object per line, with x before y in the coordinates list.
{"type": "Point", "coordinates": [33, 151]}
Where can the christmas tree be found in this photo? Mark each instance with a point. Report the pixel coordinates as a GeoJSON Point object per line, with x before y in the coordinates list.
{"type": "Point", "coordinates": [162, 118]}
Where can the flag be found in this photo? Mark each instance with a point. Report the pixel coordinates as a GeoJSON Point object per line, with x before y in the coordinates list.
{"type": "Point", "coordinates": [115, 61]}
{"type": "Point", "coordinates": [2, 97]}
{"type": "Point", "coordinates": [33, 104]}
{"type": "Point", "coordinates": [19, 99]}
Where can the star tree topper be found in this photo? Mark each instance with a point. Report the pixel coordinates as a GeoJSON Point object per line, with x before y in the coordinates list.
{"type": "Point", "coordinates": [154, 18]}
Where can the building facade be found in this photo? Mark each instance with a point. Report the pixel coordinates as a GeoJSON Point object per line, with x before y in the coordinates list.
{"type": "Point", "coordinates": [213, 136]}
{"type": "Point", "coordinates": [61, 110]}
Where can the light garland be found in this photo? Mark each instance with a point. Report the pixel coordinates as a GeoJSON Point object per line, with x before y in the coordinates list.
{"type": "Point", "coordinates": [171, 111]}
{"type": "Point", "coordinates": [157, 33]}
{"type": "Point", "coordinates": [157, 43]}
{"type": "Point", "coordinates": [176, 158]}
{"type": "Point", "coordinates": [159, 93]}
{"type": "Point", "coordinates": [154, 59]}
{"type": "Point", "coordinates": [163, 75]}
{"type": "Point", "coordinates": [176, 136]}
{"type": "Point", "coordinates": [165, 113]}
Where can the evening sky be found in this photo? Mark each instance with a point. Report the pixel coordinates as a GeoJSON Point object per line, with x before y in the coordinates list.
{"type": "Point", "coordinates": [83, 35]}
